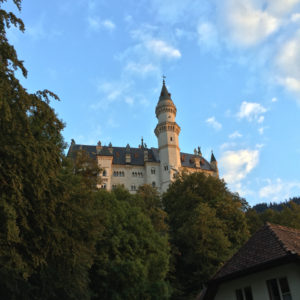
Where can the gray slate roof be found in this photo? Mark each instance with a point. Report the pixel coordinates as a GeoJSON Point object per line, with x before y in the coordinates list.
{"type": "Point", "coordinates": [137, 155]}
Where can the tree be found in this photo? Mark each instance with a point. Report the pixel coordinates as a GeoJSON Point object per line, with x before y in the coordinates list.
{"type": "Point", "coordinates": [207, 225]}
{"type": "Point", "coordinates": [48, 224]}
{"type": "Point", "coordinates": [132, 258]}
{"type": "Point", "coordinates": [149, 200]}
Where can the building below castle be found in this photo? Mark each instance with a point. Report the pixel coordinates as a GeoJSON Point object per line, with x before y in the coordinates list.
{"type": "Point", "coordinates": [132, 167]}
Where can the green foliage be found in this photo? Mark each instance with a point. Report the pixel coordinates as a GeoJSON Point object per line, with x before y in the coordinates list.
{"type": "Point", "coordinates": [132, 258]}
{"type": "Point", "coordinates": [48, 225]}
{"type": "Point", "coordinates": [149, 200]}
{"type": "Point", "coordinates": [207, 225]}
{"type": "Point", "coordinates": [288, 215]}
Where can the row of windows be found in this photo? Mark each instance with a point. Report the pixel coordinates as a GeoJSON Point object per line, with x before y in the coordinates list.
{"type": "Point", "coordinates": [134, 174]}
{"type": "Point", "coordinates": [119, 173]}
{"type": "Point", "coordinates": [133, 187]}
{"type": "Point", "coordinates": [137, 174]}
{"type": "Point", "coordinates": [278, 289]}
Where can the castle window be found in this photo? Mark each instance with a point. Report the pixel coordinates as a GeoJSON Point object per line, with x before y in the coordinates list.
{"type": "Point", "coordinates": [152, 171]}
{"type": "Point", "coordinates": [153, 184]}
{"type": "Point", "coordinates": [115, 173]}
{"type": "Point", "coordinates": [133, 187]}
{"type": "Point", "coordinates": [166, 168]}
{"type": "Point", "coordinates": [171, 139]}
{"type": "Point", "coordinates": [114, 186]}
{"type": "Point", "coordinates": [104, 173]}
{"type": "Point", "coordinates": [103, 186]}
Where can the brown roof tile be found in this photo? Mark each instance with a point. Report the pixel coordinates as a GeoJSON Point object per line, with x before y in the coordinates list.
{"type": "Point", "coordinates": [270, 243]}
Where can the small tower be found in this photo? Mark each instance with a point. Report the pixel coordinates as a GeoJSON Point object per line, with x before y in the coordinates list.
{"type": "Point", "coordinates": [214, 163]}
{"type": "Point", "coordinates": [167, 132]}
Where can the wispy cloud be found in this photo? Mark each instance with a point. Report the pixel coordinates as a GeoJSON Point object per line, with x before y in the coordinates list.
{"type": "Point", "coordinates": [251, 111]}
{"type": "Point", "coordinates": [235, 135]}
{"type": "Point", "coordinates": [213, 123]}
{"type": "Point", "coordinates": [279, 190]}
{"type": "Point", "coordinates": [140, 68]}
{"type": "Point", "coordinates": [288, 63]}
{"type": "Point", "coordinates": [162, 48]}
{"type": "Point", "coordinates": [207, 35]}
{"type": "Point", "coordinates": [96, 24]}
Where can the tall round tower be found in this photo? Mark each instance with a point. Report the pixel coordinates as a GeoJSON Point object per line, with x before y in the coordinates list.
{"type": "Point", "coordinates": [167, 132]}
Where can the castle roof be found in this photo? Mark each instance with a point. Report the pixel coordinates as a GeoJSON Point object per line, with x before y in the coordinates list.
{"type": "Point", "coordinates": [137, 155]}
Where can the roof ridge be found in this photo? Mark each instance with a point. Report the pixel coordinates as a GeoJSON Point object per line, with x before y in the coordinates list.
{"type": "Point", "coordinates": [281, 243]}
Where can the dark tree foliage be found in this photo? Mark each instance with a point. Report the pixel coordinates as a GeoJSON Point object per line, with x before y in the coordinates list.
{"type": "Point", "coordinates": [207, 225]}
{"type": "Point", "coordinates": [261, 207]}
{"type": "Point", "coordinates": [149, 200]}
{"type": "Point", "coordinates": [47, 229]}
{"type": "Point", "coordinates": [132, 257]}
{"type": "Point", "coordinates": [286, 214]}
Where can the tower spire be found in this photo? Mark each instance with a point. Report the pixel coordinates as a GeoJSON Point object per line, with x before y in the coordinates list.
{"type": "Point", "coordinates": [164, 94]}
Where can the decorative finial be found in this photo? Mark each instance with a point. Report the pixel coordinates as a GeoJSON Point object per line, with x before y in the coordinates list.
{"type": "Point", "coordinates": [142, 142]}
{"type": "Point", "coordinates": [99, 143]}
{"type": "Point", "coordinates": [199, 151]}
{"type": "Point", "coordinates": [164, 77]}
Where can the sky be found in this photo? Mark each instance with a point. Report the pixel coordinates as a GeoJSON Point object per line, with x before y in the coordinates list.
{"type": "Point", "coordinates": [232, 67]}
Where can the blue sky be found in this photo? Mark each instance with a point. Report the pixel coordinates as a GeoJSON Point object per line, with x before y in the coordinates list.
{"type": "Point", "coordinates": [232, 66]}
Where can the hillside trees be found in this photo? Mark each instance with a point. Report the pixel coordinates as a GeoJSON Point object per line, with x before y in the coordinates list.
{"type": "Point", "coordinates": [207, 225]}
{"type": "Point", "coordinates": [286, 214]}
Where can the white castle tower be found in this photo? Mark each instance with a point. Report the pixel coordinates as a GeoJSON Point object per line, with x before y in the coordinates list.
{"type": "Point", "coordinates": [167, 132]}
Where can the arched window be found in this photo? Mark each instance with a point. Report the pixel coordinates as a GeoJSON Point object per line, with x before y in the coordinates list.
{"type": "Point", "coordinates": [152, 170]}
{"type": "Point", "coordinates": [104, 173]}
{"type": "Point", "coordinates": [153, 184]}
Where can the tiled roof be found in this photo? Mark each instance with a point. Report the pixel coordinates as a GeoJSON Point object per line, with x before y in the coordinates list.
{"type": "Point", "coordinates": [269, 244]}
{"type": "Point", "coordinates": [137, 155]}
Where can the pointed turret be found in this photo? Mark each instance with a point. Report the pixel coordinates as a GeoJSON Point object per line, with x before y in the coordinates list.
{"type": "Point", "coordinates": [164, 94]}
{"type": "Point", "coordinates": [212, 158]}
{"type": "Point", "coordinates": [214, 163]}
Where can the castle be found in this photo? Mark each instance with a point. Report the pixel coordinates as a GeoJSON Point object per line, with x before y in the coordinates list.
{"type": "Point", "coordinates": [132, 167]}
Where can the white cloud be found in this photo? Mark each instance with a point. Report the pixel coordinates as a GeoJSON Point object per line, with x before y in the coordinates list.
{"type": "Point", "coordinates": [251, 111]}
{"type": "Point", "coordinates": [274, 99]}
{"type": "Point", "coordinates": [288, 63]}
{"type": "Point", "coordinates": [291, 84]}
{"type": "Point", "coordinates": [295, 17]}
{"type": "Point", "coordinates": [207, 35]}
{"type": "Point", "coordinates": [247, 24]}
{"type": "Point", "coordinates": [140, 68]}
{"type": "Point", "coordinates": [261, 130]}
{"type": "Point", "coordinates": [281, 7]}
{"type": "Point", "coordinates": [235, 135]}
{"type": "Point", "coordinates": [129, 100]}
{"type": "Point", "coordinates": [238, 164]}
{"type": "Point", "coordinates": [279, 190]}
{"type": "Point", "coordinates": [161, 48]}
{"type": "Point", "coordinates": [96, 24]}
{"type": "Point", "coordinates": [108, 24]}
{"type": "Point", "coordinates": [214, 123]}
